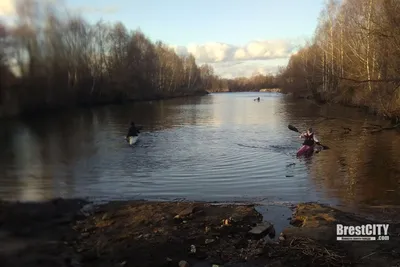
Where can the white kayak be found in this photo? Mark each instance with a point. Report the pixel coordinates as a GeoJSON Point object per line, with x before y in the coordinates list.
{"type": "Point", "coordinates": [132, 140]}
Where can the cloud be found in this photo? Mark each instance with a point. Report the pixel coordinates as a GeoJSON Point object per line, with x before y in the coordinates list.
{"type": "Point", "coordinates": [254, 50]}
{"type": "Point", "coordinates": [247, 68]}
{"type": "Point", "coordinates": [230, 61]}
{"type": "Point", "coordinates": [7, 7]}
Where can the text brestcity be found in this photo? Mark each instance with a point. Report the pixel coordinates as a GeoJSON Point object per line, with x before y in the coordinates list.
{"type": "Point", "coordinates": [368, 229]}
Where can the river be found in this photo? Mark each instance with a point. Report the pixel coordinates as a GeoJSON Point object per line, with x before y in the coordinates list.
{"type": "Point", "coordinates": [220, 147]}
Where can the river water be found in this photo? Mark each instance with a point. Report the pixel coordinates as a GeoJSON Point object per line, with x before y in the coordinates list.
{"type": "Point", "coordinates": [220, 147]}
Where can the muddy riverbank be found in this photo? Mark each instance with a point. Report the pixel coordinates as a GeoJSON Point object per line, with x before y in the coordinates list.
{"type": "Point", "coordinates": [138, 233]}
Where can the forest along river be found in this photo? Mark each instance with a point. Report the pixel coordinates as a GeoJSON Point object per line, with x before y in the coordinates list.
{"type": "Point", "coordinates": [220, 147]}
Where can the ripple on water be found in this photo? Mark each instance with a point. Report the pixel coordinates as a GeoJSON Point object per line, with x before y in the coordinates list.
{"type": "Point", "coordinates": [223, 147]}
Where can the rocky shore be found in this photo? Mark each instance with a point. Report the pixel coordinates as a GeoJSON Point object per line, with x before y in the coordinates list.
{"type": "Point", "coordinates": [138, 233]}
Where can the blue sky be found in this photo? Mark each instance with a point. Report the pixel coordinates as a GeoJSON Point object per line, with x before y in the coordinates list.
{"type": "Point", "coordinates": [237, 37]}
{"type": "Point", "coordinates": [234, 22]}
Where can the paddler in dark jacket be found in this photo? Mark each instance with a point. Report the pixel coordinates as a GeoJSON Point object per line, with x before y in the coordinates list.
{"type": "Point", "coordinates": [310, 138]}
{"type": "Point", "coordinates": [133, 131]}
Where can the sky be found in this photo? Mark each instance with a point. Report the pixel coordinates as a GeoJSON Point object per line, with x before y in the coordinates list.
{"type": "Point", "coordinates": [237, 37]}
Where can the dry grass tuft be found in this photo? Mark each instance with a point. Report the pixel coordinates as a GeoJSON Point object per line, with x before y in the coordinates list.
{"type": "Point", "coordinates": [311, 253]}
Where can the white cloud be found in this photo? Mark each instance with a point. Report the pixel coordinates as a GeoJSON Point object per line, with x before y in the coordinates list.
{"type": "Point", "coordinates": [7, 7]}
{"type": "Point", "coordinates": [230, 61]}
{"type": "Point", "coordinates": [247, 68]}
{"type": "Point", "coordinates": [254, 50]}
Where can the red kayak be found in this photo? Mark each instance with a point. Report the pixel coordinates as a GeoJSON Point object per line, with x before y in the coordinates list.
{"type": "Point", "coordinates": [306, 151]}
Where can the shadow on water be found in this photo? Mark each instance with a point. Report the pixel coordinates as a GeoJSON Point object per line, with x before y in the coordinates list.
{"type": "Point", "coordinates": [221, 147]}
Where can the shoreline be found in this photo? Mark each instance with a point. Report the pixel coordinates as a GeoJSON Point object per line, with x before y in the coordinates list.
{"type": "Point", "coordinates": [74, 232]}
{"type": "Point", "coordinates": [394, 120]}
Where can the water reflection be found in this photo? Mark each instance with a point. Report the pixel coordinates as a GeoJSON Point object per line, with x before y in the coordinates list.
{"type": "Point", "coordinates": [361, 168]}
{"type": "Point", "coordinates": [241, 111]}
{"type": "Point", "coordinates": [42, 157]}
{"type": "Point", "coordinates": [221, 147]}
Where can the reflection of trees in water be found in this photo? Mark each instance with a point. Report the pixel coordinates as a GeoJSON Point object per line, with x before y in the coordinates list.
{"type": "Point", "coordinates": [43, 152]}
{"type": "Point", "coordinates": [19, 163]}
{"type": "Point", "coordinates": [383, 168]}
{"type": "Point", "coordinates": [361, 167]}
{"type": "Point", "coordinates": [46, 152]}
{"type": "Point", "coordinates": [158, 114]}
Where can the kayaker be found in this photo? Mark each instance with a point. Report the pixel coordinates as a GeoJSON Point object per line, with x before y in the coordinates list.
{"type": "Point", "coordinates": [133, 131]}
{"type": "Point", "coordinates": [310, 138]}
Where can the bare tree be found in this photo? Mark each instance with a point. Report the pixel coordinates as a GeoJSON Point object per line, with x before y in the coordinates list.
{"type": "Point", "coordinates": [354, 57]}
{"type": "Point", "coordinates": [63, 60]}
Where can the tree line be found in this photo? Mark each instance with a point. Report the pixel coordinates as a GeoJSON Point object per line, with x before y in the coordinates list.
{"type": "Point", "coordinates": [62, 60]}
{"type": "Point", "coordinates": [254, 83]}
{"type": "Point", "coordinates": [353, 58]}
{"type": "Point", "coordinates": [241, 84]}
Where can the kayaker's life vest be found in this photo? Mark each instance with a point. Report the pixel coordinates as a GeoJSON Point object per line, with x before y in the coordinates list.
{"type": "Point", "coordinates": [309, 139]}
{"type": "Point", "coordinates": [132, 131]}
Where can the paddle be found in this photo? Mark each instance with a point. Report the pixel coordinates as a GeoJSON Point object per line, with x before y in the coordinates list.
{"type": "Point", "coordinates": [292, 128]}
